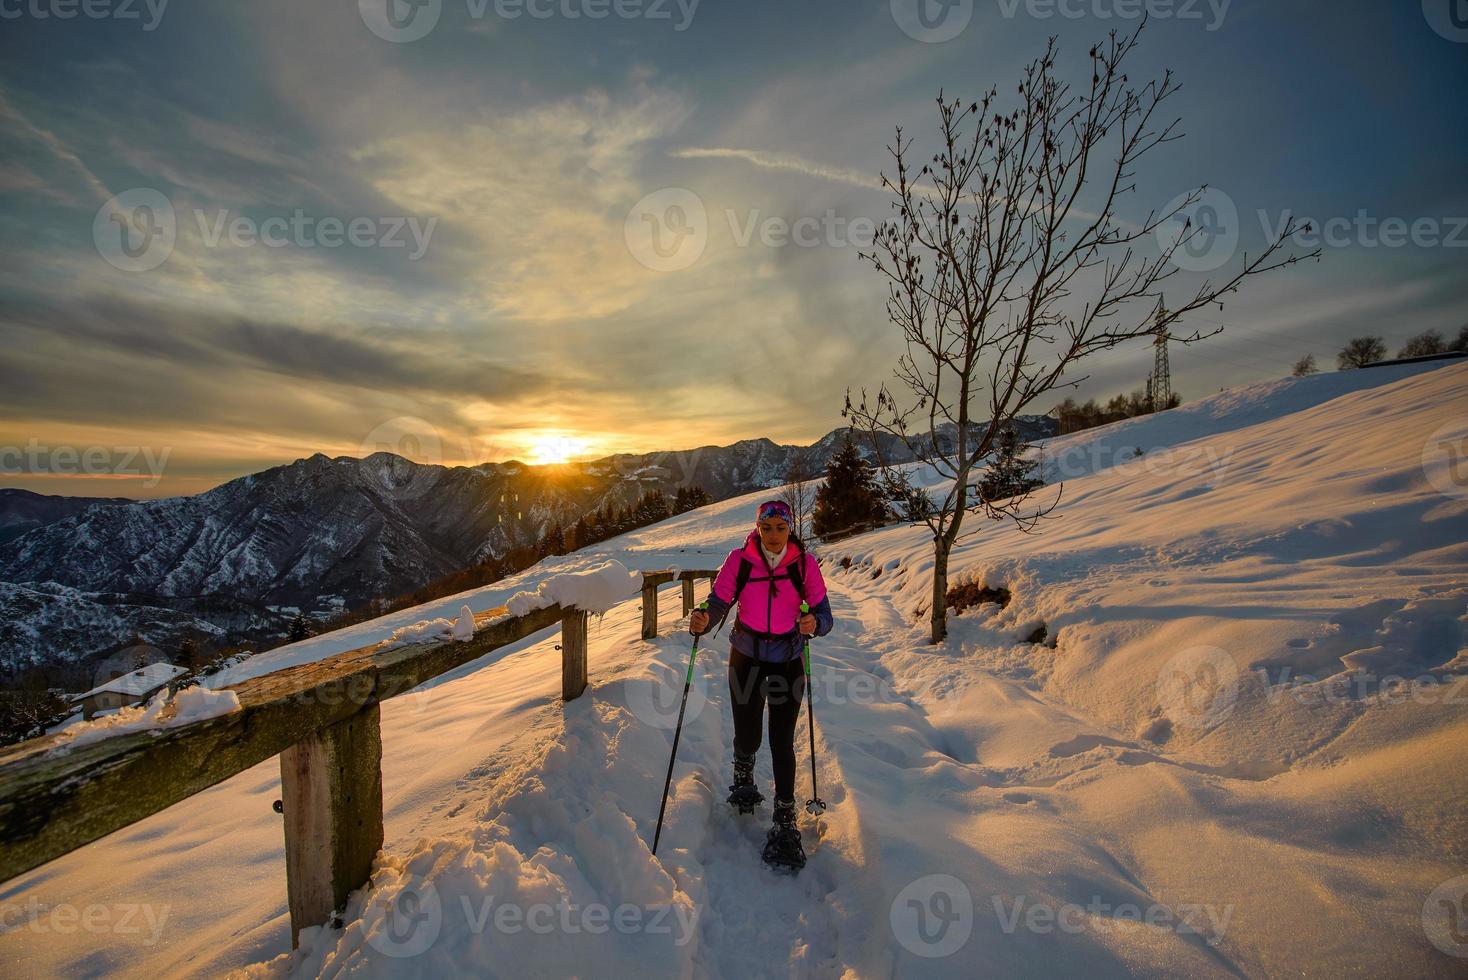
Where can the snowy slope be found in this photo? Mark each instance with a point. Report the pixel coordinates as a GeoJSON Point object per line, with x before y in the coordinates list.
{"type": "Point", "coordinates": [1184, 778]}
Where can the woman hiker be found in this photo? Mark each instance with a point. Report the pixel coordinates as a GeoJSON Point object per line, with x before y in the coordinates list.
{"type": "Point", "coordinates": [768, 576]}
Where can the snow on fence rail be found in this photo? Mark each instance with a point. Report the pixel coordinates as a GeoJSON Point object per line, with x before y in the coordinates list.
{"type": "Point", "coordinates": [322, 718]}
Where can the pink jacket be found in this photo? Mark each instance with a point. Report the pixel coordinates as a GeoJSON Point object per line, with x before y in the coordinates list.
{"type": "Point", "coordinates": [769, 603]}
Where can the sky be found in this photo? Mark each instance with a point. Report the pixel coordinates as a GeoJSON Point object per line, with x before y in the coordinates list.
{"type": "Point", "coordinates": [236, 234]}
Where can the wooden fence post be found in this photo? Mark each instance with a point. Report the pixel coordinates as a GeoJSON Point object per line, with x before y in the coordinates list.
{"type": "Point", "coordinates": [687, 595]}
{"type": "Point", "coordinates": [649, 609]}
{"type": "Point", "coordinates": [331, 796]}
{"type": "Point", "coordinates": [573, 654]}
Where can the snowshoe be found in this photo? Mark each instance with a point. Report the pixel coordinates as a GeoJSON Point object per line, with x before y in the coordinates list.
{"type": "Point", "coordinates": [744, 795]}
{"type": "Point", "coordinates": [783, 850]}
{"type": "Point", "coordinates": [745, 798]}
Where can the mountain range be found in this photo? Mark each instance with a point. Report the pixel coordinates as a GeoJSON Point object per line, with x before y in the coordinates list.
{"type": "Point", "coordinates": [21, 510]}
{"type": "Point", "coordinates": [82, 576]}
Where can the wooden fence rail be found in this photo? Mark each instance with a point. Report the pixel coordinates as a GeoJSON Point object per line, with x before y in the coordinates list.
{"type": "Point", "coordinates": [322, 718]}
{"type": "Point", "coordinates": [650, 583]}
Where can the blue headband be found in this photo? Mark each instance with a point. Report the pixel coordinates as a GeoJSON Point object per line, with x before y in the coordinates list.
{"type": "Point", "coordinates": [775, 508]}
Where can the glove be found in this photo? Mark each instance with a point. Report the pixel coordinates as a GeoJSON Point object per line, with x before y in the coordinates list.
{"type": "Point", "coordinates": [698, 622]}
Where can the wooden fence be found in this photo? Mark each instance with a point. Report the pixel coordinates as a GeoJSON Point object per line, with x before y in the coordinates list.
{"type": "Point", "coordinates": [323, 720]}
{"type": "Point", "coordinates": [650, 583]}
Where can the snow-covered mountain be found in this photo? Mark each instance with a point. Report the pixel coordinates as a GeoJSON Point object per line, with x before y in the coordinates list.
{"type": "Point", "coordinates": [321, 534]}
{"type": "Point", "coordinates": [45, 624]}
{"type": "Point", "coordinates": [315, 527]}
{"type": "Point", "coordinates": [22, 510]}
{"type": "Point", "coordinates": [1237, 752]}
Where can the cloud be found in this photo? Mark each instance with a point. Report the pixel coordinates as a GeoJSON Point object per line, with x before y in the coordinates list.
{"type": "Point", "coordinates": [782, 161]}
{"type": "Point", "coordinates": [16, 177]}
{"type": "Point", "coordinates": [53, 144]}
{"type": "Point", "coordinates": [161, 362]}
{"type": "Point", "coordinates": [540, 196]}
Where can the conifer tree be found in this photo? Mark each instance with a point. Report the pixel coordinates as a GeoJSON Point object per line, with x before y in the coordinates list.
{"type": "Point", "coordinates": [849, 501]}
{"type": "Point", "coordinates": [1011, 473]}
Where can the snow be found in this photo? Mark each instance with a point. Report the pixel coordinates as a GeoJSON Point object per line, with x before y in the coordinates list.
{"type": "Point", "coordinates": [596, 590]}
{"type": "Point", "coordinates": [160, 712]}
{"type": "Point", "coordinates": [139, 682]}
{"type": "Point", "coordinates": [464, 625]}
{"type": "Point", "coordinates": [424, 629]}
{"type": "Point", "coordinates": [1237, 752]}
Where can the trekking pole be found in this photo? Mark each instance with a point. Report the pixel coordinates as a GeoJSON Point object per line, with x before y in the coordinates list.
{"type": "Point", "coordinates": [687, 682]}
{"type": "Point", "coordinates": [815, 806]}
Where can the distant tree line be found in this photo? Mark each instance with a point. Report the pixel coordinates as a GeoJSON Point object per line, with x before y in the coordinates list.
{"type": "Point", "coordinates": [1361, 351]}
{"type": "Point", "coordinates": [38, 697]}
{"type": "Point", "coordinates": [607, 521]}
{"type": "Point", "coordinates": [1073, 417]}
{"type": "Point", "coordinates": [28, 711]}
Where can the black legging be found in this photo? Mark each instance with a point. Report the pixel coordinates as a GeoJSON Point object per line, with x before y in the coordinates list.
{"type": "Point", "coordinates": [752, 683]}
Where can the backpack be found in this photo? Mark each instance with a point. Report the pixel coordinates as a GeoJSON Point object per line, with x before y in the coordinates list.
{"type": "Point", "coordinates": [792, 571]}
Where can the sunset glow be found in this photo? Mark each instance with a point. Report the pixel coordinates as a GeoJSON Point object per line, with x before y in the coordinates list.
{"type": "Point", "coordinates": [557, 449]}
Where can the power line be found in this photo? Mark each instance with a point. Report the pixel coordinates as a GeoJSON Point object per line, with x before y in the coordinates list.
{"type": "Point", "coordinates": [1391, 339]}
{"type": "Point", "coordinates": [1261, 336]}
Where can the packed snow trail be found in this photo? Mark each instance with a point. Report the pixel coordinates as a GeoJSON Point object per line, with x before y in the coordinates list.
{"type": "Point", "coordinates": [751, 917]}
{"type": "Point", "coordinates": [886, 863]}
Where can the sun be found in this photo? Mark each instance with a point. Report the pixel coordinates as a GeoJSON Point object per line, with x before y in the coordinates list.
{"type": "Point", "coordinates": [555, 449]}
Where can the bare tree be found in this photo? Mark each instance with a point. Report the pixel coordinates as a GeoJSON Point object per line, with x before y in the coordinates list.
{"type": "Point", "coordinates": [1428, 342]}
{"type": "Point", "coordinates": [1360, 352]}
{"type": "Point", "coordinates": [1305, 366]}
{"type": "Point", "coordinates": [800, 490]}
{"type": "Point", "coordinates": [1013, 215]}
